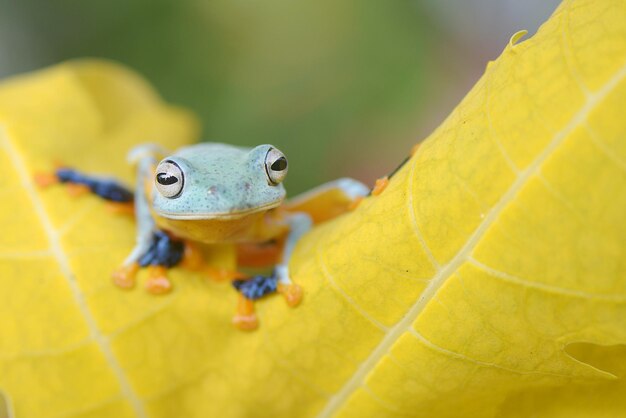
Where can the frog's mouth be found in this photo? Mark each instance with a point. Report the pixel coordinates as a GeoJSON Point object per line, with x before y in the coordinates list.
{"type": "Point", "coordinates": [233, 214]}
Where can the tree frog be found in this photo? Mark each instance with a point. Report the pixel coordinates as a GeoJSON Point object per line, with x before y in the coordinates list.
{"type": "Point", "coordinates": [212, 193]}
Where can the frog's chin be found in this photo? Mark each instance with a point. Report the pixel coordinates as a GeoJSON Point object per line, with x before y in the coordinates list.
{"type": "Point", "coordinates": [235, 214]}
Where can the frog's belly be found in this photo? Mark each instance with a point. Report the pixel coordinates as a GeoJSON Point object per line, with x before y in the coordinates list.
{"type": "Point", "coordinates": [249, 228]}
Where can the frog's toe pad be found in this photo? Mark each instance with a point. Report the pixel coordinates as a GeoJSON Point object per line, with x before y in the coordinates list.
{"type": "Point", "coordinates": [124, 277]}
{"type": "Point", "coordinates": [158, 285]}
{"type": "Point", "coordinates": [292, 293]}
{"type": "Point", "coordinates": [248, 322]}
{"type": "Point", "coordinates": [45, 179]}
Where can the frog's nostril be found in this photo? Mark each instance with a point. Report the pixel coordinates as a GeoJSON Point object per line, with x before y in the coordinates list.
{"type": "Point", "coordinates": [212, 191]}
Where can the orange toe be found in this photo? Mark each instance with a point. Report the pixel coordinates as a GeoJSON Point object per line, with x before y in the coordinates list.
{"type": "Point", "coordinates": [292, 293]}
{"type": "Point", "coordinates": [125, 276]}
{"type": "Point", "coordinates": [248, 322]}
{"type": "Point", "coordinates": [380, 186]}
{"type": "Point", "coordinates": [158, 283]}
{"type": "Point", "coordinates": [45, 179]}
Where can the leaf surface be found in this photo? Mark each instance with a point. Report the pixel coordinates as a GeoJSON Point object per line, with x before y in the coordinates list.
{"type": "Point", "coordinates": [489, 279]}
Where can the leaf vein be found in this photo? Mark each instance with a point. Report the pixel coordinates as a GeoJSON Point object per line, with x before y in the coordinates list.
{"type": "Point", "coordinates": [604, 148]}
{"type": "Point", "coordinates": [413, 216]}
{"type": "Point", "coordinates": [462, 357]}
{"type": "Point", "coordinates": [64, 265]}
{"type": "Point", "coordinates": [447, 271]}
{"type": "Point", "coordinates": [542, 286]}
{"type": "Point", "coordinates": [347, 297]}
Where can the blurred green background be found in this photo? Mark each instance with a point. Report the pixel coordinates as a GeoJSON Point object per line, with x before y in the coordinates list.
{"type": "Point", "coordinates": [343, 87]}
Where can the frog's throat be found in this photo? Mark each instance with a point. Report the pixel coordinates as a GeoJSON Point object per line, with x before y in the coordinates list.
{"type": "Point", "coordinates": [218, 215]}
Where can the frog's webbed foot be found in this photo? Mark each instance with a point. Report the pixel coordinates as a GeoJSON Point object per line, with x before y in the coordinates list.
{"type": "Point", "coordinates": [245, 319]}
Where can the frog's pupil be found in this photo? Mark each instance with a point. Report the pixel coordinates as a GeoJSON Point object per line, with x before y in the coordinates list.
{"type": "Point", "coordinates": [166, 179]}
{"type": "Point", "coordinates": [280, 164]}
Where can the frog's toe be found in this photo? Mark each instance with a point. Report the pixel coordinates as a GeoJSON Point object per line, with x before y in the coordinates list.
{"type": "Point", "coordinates": [45, 179]}
{"type": "Point", "coordinates": [158, 283]}
{"type": "Point", "coordinates": [245, 319]}
{"type": "Point", "coordinates": [292, 293]}
{"type": "Point", "coordinates": [124, 277]}
{"type": "Point", "coordinates": [380, 186]}
{"type": "Point", "coordinates": [246, 322]}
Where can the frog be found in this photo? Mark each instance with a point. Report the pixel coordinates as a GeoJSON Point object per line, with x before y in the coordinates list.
{"type": "Point", "coordinates": [214, 193]}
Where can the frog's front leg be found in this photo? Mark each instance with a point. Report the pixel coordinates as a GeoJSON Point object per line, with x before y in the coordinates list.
{"type": "Point", "coordinates": [154, 248]}
{"type": "Point", "coordinates": [329, 200]}
{"type": "Point", "coordinates": [299, 224]}
{"type": "Point", "coordinates": [125, 276]}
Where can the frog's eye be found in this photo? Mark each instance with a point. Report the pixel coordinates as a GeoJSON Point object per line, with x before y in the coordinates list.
{"type": "Point", "coordinates": [275, 166]}
{"type": "Point", "coordinates": [169, 179]}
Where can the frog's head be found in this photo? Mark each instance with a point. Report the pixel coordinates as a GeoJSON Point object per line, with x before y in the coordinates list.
{"type": "Point", "coordinates": [206, 181]}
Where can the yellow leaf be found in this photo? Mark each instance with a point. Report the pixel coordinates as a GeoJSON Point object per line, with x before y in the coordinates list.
{"type": "Point", "coordinates": [488, 279]}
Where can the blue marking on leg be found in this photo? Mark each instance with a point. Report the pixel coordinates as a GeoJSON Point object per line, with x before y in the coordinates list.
{"type": "Point", "coordinates": [256, 287]}
{"type": "Point", "coordinates": [163, 251]}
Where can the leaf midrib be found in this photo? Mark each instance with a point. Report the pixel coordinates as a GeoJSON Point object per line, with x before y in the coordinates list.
{"type": "Point", "coordinates": [57, 252]}
{"type": "Point", "coordinates": [357, 379]}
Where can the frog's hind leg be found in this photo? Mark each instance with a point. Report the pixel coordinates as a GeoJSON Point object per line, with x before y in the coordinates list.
{"type": "Point", "coordinates": [329, 200]}
{"type": "Point", "coordinates": [79, 183]}
{"type": "Point", "coordinates": [154, 248]}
